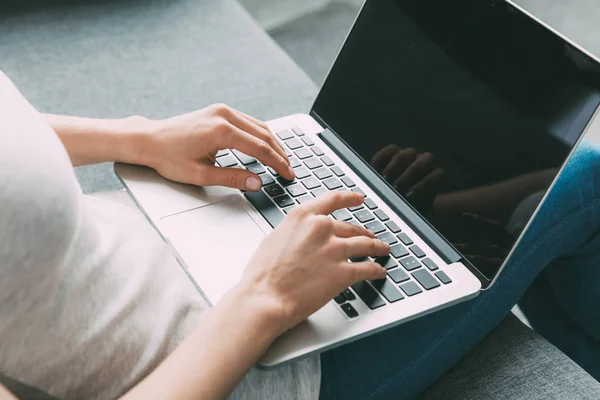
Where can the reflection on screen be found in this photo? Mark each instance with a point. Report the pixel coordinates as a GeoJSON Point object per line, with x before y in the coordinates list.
{"type": "Point", "coordinates": [467, 108]}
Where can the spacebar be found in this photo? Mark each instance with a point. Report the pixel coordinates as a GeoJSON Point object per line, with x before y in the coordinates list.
{"type": "Point", "coordinates": [266, 207]}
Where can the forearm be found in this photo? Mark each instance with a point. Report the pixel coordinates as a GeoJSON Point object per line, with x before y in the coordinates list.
{"type": "Point", "coordinates": [217, 354]}
{"type": "Point", "coordinates": [92, 141]}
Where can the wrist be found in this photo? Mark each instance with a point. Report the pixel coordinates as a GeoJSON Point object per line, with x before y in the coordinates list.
{"type": "Point", "coordinates": [136, 137]}
{"type": "Point", "coordinates": [269, 311]}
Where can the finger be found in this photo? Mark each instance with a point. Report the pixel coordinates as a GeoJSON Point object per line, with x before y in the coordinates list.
{"type": "Point", "coordinates": [421, 167]}
{"type": "Point", "coordinates": [383, 157]}
{"type": "Point", "coordinates": [431, 181]}
{"type": "Point", "coordinates": [236, 178]}
{"type": "Point", "coordinates": [362, 271]}
{"type": "Point", "coordinates": [333, 201]}
{"type": "Point", "coordinates": [362, 246]}
{"type": "Point", "coordinates": [345, 230]}
{"type": "Point", "coordinates": [255, 128]}
{"type": "Point", "coordinates": [399, 163]}
{"type": "Point", "coordinates": [259, 149]}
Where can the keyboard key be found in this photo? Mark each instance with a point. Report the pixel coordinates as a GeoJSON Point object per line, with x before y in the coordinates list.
{"type": "Point", "coordinates": [364, 216]}
{"type": "Point", "coordinates": [358, 259]}
{"type": "Point", "coordinates": [332, 184]}
{"type": "Point", "coordinates": [368, 295]}
{"type": "Point", "coordinates": [285, 182]}
{"type": "Point", "coordinates": [349, 310]}
{"type": "Point", "coordinates": [388, 290]}
{"type": "Point", "coordinates": [348, 182]}
{"type": "Point", "coordinates": [313, 163]}
{"type": "Point", "coordinates": [399, 251]}
{"type": "Point", "coordinates": [370, 204]}
{"type": "Point", "coordinates": [266, 207]}
{"type": "Point", "coordinates": [294, 162]}
{"type": "Point", "coordinates": [429, 264]}
{"type": "Point", "coordinates": [317, 150]}
{"type": "Point", "coordinates": [318, 192]}
{"type": "Point", "coordinates": [337, 171]}
{"type": "Point", "coordinates": [256, 168]}
{"type": "Point", "coordinates": [387, 238]}
{"type": "Point", "coordinates": [392, 226]}
{"type": "Point", "coordinates": [285, 134]}
{"type": "Point", "coordinates": [296, 190]}
{"type": "Point", "coordinates": [244, 159]}
{"type": "Point", "coordinates": [326, 160]}
{"type": "Point", "coordinates": [322, 173]}
{"type": "Point", "coordinates": [272, 171]}
{"type": "Point", "coordinates": [284, 201]}
{"type": "Point", "coordinates": [375, 227]}
{"type": "Point", "coordinates": [274, 190]}
{"type": "Point", "coordinates": [226, 161]}
{"type": "Point", "coordinates": [381, 215]}
{"type": "Point", "coordinates": [311, 183]}
{"type": "Point", "coordinates": [416, 250]}
{"type": "Point", "coordinates": [293, 144]}
{"type": "Point", "coordinates": [348, 295]}
{"type": "Point", "coordinates": [405, 239]}
{"type": "Point", "coordinates": [339, 299]}
{"type": "Point", "coordinates": [302, 153]}
{"type": "Point", "coordinates": [288, 153]}
{"type": "Point", "coordinates": [288, 209]}
{"type": "Point", "coordinates": [410, 263]}
{"type": "Point", "coordinates": [342, 215]}
{"type": "Point", "coordinates": [386, 262]}
{"type": "Point", "coordinates": [308, 141]}
{"type": "Point", "coordinates": [398, 275]}
{"type": "Point", "coordinates": [425, 279]}
{"type": "Point", "coordinates": [304, 199]}
{"type": "Point", "coordinates": [298, 131]}
{"type": "Point", "coordinates": [222, 153]}
{"type": "Point", "coordinates": [302, 173]}
{"type": "Point", "coordinates": [410, 288]}
{"type": "Point", "coordinates": [266, 179]}
{"type": "Point", "coordinates": [443, 277]}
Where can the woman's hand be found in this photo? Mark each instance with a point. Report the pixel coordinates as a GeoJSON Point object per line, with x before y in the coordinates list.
{"type": "Point", "coordinates": [184, 148]}
{"type": "Point", "coordinates": [304, 263]}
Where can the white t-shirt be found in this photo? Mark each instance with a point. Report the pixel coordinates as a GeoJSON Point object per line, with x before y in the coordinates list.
{"type": "Point", "coordinates": [91, 299]}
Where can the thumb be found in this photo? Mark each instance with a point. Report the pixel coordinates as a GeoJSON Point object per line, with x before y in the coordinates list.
{"type": "Point", "coordinates": [366, 270]}
{"type": "Point", "coordinates": [236, 178]}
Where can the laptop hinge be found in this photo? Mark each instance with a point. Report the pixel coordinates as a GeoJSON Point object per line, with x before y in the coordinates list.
{"type": "Point", "coordinates": [409, 215]}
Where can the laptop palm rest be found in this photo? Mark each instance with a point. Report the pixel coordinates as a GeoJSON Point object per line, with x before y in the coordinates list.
{"type": "Point", "coordinates": [214, 243]}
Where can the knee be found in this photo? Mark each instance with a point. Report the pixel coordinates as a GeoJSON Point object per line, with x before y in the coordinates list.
{"type": "Point", "coordinates": [582, 173]}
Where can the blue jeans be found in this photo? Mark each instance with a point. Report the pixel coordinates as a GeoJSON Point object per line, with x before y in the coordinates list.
{"type": "Point", "coordinates": [555, 270]}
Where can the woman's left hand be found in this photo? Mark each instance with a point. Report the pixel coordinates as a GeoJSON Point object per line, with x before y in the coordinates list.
{"type": "Point", "coordinates": [184, 148]}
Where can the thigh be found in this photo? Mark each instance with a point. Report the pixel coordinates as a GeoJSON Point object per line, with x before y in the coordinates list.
{"type": "Point", "coordinates": [403, 361]}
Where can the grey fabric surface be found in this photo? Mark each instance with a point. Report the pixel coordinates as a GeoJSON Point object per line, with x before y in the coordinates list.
{"type": "Point", "coordinates": [514, 362]}
{"type": "Point", "coordinates": [155, 58]}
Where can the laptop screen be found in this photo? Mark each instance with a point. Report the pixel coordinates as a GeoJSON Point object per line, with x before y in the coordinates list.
{"type": "Point", "coordinates": [468, 108]}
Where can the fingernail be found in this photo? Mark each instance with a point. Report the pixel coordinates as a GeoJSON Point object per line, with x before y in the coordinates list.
{"type": "Point", "coordinates": [292, 172]}
{"type": "Point", "coordinates": [253, 183]}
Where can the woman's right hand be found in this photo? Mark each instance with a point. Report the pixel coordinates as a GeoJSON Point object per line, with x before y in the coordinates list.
{"type": "Point", "coordinates": [304, 263]}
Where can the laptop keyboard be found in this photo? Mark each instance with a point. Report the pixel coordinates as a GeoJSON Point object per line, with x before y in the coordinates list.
{"type": "Point", "coordinates": [410, 271]}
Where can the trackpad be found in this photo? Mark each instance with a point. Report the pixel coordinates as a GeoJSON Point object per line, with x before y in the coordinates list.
{"type": "Point", "coordinates": [215, 243]}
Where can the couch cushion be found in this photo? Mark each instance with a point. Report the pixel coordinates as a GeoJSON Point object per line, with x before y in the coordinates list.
{"type": "Point", "coordinates": [155, 58]}
{"type": "Point", "coordinates": [515, 363]}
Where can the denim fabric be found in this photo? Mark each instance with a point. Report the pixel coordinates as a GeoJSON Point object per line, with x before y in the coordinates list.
{"type": "Point", "coordinates": [402, 362]}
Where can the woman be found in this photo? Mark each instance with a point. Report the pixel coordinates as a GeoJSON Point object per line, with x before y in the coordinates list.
{"type": "Point", "coordinates": [93, 305]}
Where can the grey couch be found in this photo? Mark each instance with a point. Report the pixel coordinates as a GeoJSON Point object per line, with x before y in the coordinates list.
{"type": "Point", "coordinates": [163, 57]}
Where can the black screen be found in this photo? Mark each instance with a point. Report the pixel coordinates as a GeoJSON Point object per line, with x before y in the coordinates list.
{"type": "Point", "coordinates": [468, 108]}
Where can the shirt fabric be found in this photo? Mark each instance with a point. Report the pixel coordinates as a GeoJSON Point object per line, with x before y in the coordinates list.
{"type": "Point", "coordinates": [91, 298]}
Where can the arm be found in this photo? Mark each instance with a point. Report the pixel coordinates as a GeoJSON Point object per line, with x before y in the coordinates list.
{"type": "Point", "coordinates": [296, 270]}
{"type": "Point", "coordinates": [181, 148]}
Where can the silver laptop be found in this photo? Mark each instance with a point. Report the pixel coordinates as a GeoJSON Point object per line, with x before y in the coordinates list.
{"type": "Point", "coordinates": [453, 118]}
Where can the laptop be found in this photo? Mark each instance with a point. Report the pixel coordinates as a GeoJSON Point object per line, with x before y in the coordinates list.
{"type": "Point", "coordinates": [453, 118]}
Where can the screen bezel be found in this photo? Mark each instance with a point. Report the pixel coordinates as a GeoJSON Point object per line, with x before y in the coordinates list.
{"type": "Point", "coordinates": [485, 282]}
